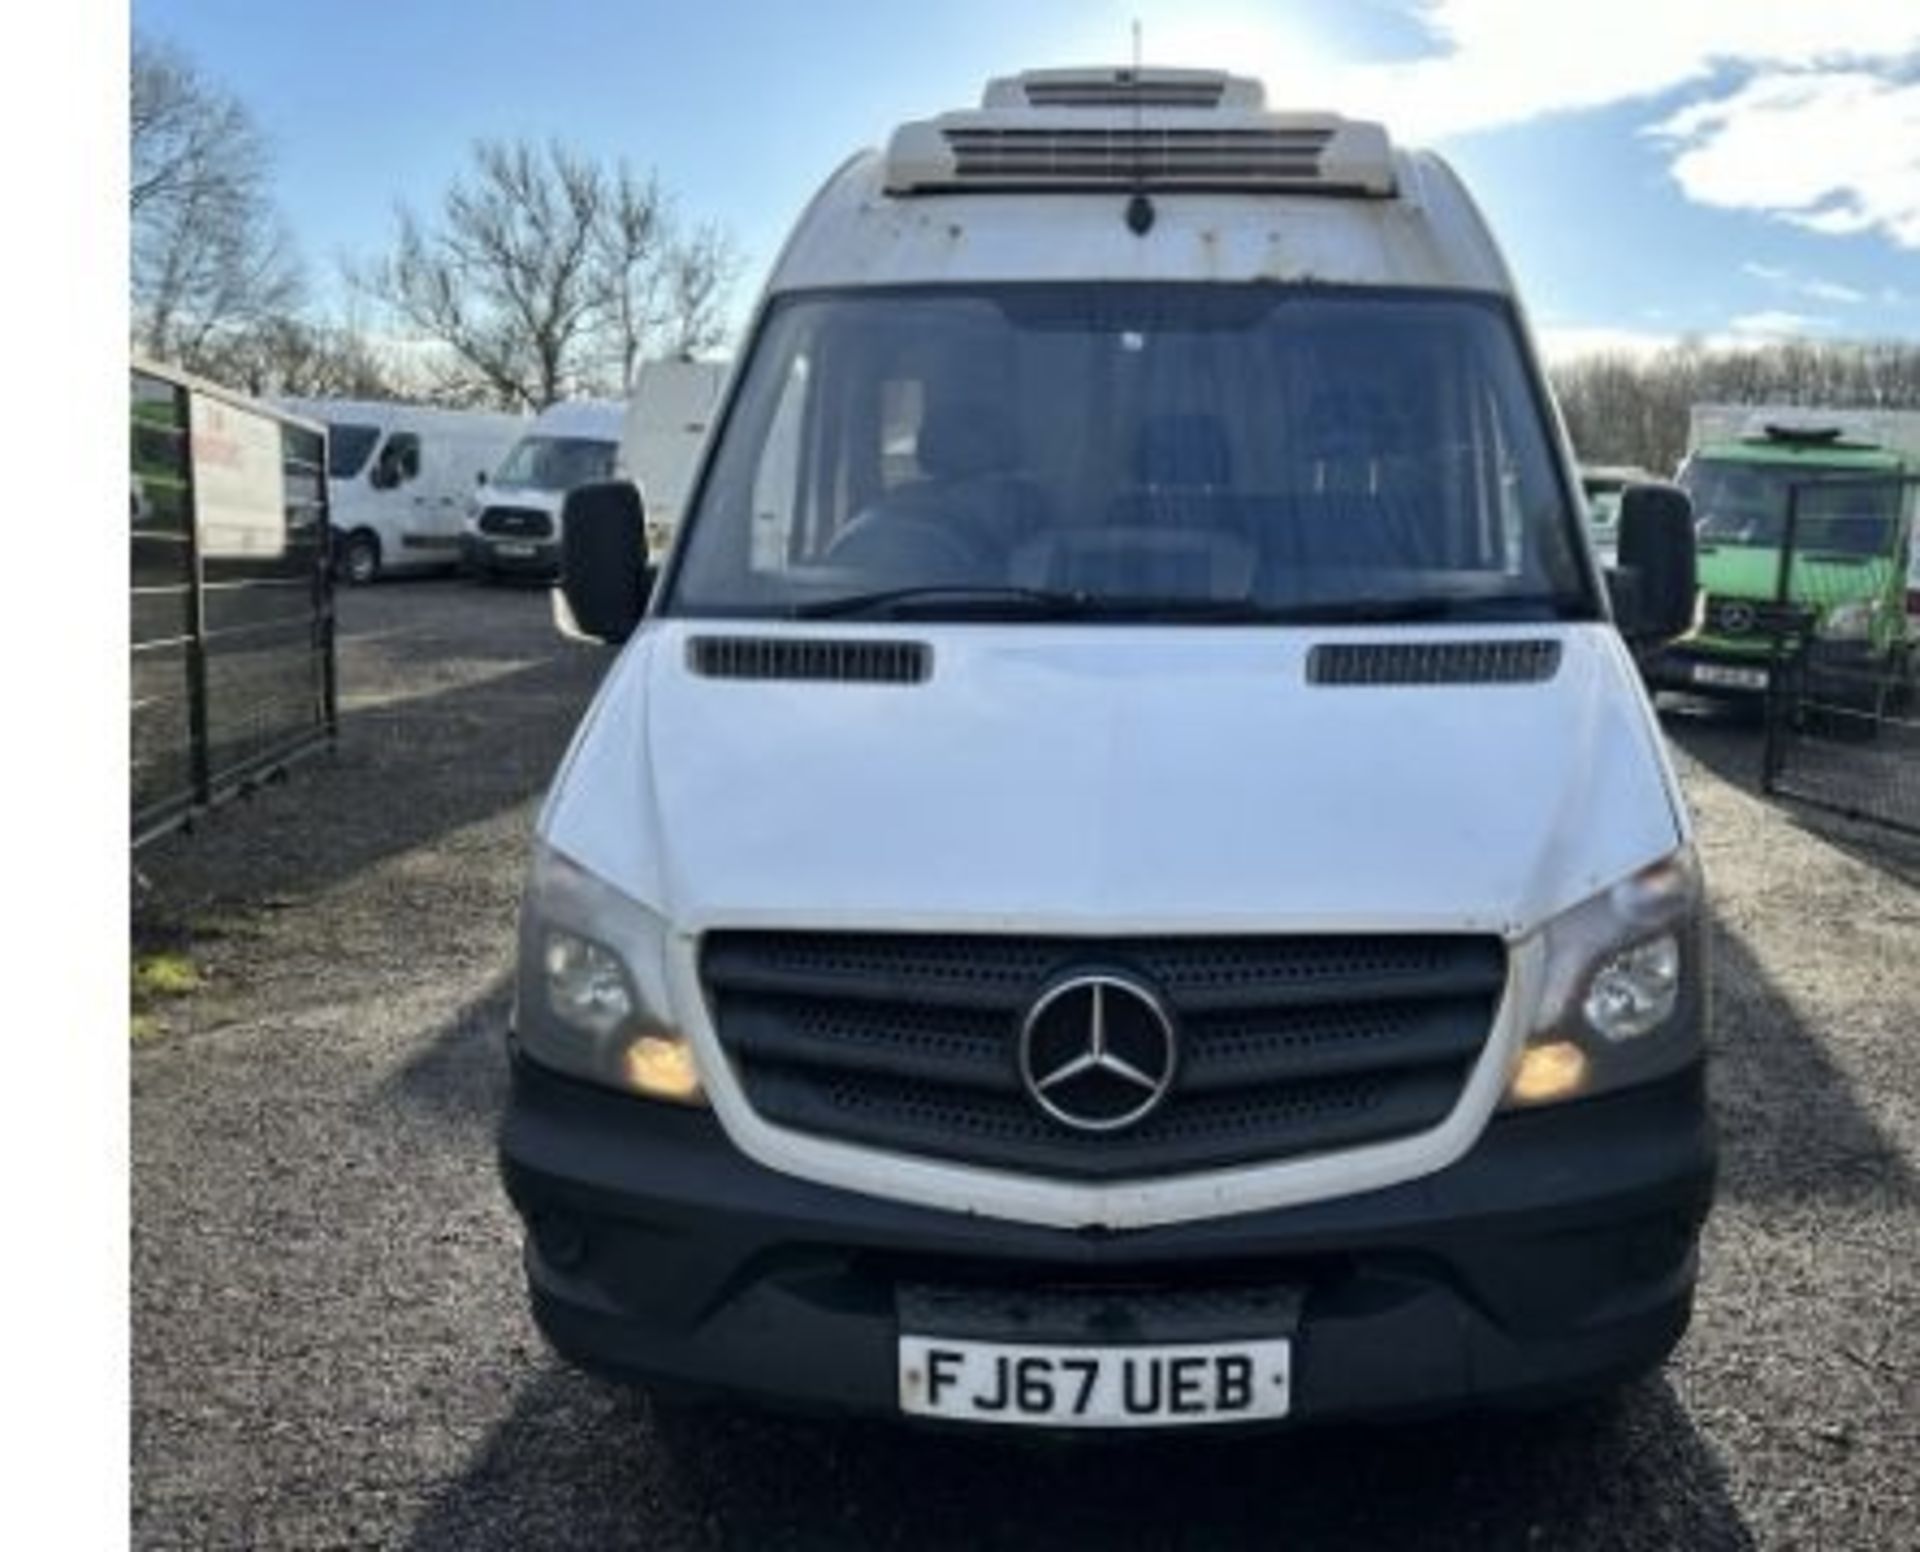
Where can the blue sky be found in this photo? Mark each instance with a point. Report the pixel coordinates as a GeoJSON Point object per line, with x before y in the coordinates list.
{"type": "Point", "coordinates": [1653, 167]}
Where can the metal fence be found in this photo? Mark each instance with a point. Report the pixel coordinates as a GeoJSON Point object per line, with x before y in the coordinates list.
{"type": "Point", "coordinates": [1843, 701]}
{"type": "Point", "coordinates": [232, 601]}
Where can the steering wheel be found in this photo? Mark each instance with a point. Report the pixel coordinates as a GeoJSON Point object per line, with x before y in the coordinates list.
{"type": "Point", "coordinates": [904, 544]}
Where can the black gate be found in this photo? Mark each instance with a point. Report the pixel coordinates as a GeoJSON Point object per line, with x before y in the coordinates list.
{"type": "Point", "coordinates": [1843, 705]}
{"type": "Point", "coordinates": [232, 603]}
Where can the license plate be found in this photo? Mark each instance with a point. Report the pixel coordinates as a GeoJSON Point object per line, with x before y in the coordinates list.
{"type": "Point", "coordinates": [1095, 1387]}
{"type": "Point", "coordinates": [516, 551]}
{"type": "Point", "coordinates": [1727, 678]}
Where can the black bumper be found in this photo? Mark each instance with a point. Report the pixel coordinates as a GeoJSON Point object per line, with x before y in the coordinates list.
{"type": "Point", "coordinates": [1557, 1256]}
{"type": "Point", "coordinates": [481, 555]}
{"type": "Point", "coordinates": [1672, 668]}
{"type": "Point", "coordinates": [1844, 673]}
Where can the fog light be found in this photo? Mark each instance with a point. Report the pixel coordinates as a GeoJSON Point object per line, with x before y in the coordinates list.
{"type": "Point", "coordinates": [1554, 1070]}
{"type": "Point", "coordinates": [662, 1066]}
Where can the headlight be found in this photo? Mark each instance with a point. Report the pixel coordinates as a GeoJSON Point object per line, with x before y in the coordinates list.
{"type": "Point", "coordinates": [1848, 622]}
{"type": "Point", "coordinates": [1624, 993]}
{"type": "Point", "coordinates": [592, 989]}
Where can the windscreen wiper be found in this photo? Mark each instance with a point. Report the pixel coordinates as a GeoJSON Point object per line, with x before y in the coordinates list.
{"type": "Point", "coordinates": [1394, 611]}
{"type": "Point", "coordinates": [976, 601]}
{"type": "Point", "coordinates": [995, 601]}
{"type": "Point", "coordinates": [970, 598]}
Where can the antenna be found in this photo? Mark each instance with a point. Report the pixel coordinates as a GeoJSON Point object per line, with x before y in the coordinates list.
{"type": "Point", "coordinates": [1139, 208]}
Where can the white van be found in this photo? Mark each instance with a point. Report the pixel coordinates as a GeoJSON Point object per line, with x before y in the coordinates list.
{"type": "Point", "coordinates": [399, 477]}
{"type": "Point", "coordinates": [668, 414]}
{"type": "Point", "coordinates": [1125, 877]}
{"type": "Point", "coordinates": [513, 525]}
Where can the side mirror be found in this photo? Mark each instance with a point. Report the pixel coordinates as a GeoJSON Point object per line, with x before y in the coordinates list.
{"type": "Point", "coordinates": [382, 476]}
{"type": "Point", "coordinates": [604, 574]}
{"type": "Point", "coordinates": [480, 478]}
{"type": "Point", "coordinates": [1653, 585]}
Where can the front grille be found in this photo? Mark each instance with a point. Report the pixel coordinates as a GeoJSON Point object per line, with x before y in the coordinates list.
{"type": "Point", "coordinates": [517, 522]}
{"type": "Point", "coordinates": [1757, 620]}
{"type": "Point", "coordinates": [1288, 1045]}
{"type": "Point", "coordinates": [1735, 616]}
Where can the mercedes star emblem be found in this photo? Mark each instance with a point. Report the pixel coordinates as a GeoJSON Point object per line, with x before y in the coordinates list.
{"type": "Point", "coordinates": [1098, 1051]}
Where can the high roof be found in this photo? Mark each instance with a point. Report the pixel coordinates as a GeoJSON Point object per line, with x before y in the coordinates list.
{"type": "Point", "coordinates": [1309, 198]}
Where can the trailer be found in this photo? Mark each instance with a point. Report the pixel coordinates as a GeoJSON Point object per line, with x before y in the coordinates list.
{"type": "Point", "coordinates": [668, 413]}
{"type": "Point", "coordinates": [232, 654]}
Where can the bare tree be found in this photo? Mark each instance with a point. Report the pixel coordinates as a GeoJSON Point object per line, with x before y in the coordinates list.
{"type": "Point", "coordinates": [700, 274]}
{"type": "Point", "coordinates": [546, 274]}
{"type": "Point", "coordinates": [285, 355]}
{"type": "Point", "coordinates": [1623, 409]}
{"type": "Point", "coordinates": [506, 278]}
{"type": "Point", "coordinates": [628, 276]}
{"type": "Point", "coordinates": [209, 254]}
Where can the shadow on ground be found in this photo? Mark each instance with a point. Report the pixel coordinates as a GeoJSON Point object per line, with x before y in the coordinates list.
{"type": "Point", "coordinates": [460, 1076]}
{"type": "Point", "coordinates": [1790, 1124]}
{"type": "Point", "coordinates": [405, 774]}
{"type": "Point", "coordinates": [579, 1464]}
{"type": "Point", "coordinates": [1729, 740]}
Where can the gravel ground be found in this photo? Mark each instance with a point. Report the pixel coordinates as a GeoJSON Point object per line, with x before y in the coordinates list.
{"type": "Point", "coordinates": [330, 1341]}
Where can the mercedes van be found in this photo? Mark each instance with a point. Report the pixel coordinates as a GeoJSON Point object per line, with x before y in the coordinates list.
{"type": "Point", "coordinates": [1124, 876]}
{"type": "Point", "coordinates": [1854, 480]}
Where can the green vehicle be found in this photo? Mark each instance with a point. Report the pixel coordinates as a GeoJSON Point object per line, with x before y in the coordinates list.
{"type": "Point", "coordinates": [1853, 547]}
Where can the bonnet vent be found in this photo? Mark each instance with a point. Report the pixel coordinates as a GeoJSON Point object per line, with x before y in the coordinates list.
{"type": "Point", "coordinates": [1433, 662]}
{"type": "Point", "coordinates": [789, 657]}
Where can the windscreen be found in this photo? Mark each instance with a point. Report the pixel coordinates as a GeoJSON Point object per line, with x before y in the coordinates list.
{"type": "Point", "coordinates": [1738, 502]}
{"type": "Point", "coordinates": [347, 448]}
{"type": "Point", "coordinates": [557, 463]}
{"type": "Point", "coordinates": [1169, 447]}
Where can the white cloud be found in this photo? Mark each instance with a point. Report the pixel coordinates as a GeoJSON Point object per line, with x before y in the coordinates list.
{"type": "Point", "coordinates": [1823, 129]}
{"type": "Point", "coordinates": [1808, 112]}
{"type": "Point", "coordinates": [1508, 61]}
{"type": "Point", "coordinates": [1809, 286]}
{"type": "Point", "coordinates": [1832, 291]}
{"type": "Point", "coordinates": [1570, 341]}
{"type": "Point", "coordinates": [1835, 151]}
{"type": "Point", "coordinates": [1778, 323]}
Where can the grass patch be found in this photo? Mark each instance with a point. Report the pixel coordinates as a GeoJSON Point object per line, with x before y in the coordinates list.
{"type": "Point", "coordinates": [164, 974]}
{"type": "Point", "coordinates": [159, 976]}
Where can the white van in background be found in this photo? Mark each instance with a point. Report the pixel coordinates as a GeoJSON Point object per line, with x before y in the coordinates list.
{"type": "Point", "coordinates": [399, 477]}
{"type": "Point", "coordinates": [513, 526]}
{"type": "Point", "coordinates": [672, 404]}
